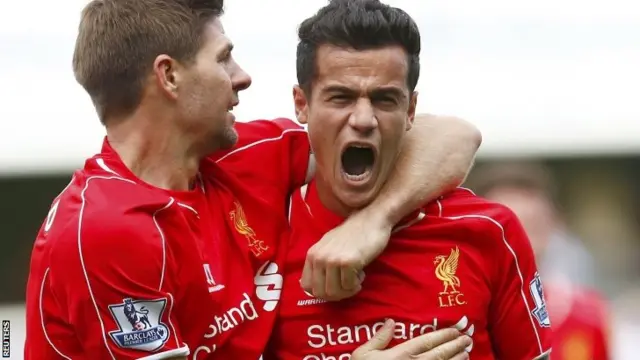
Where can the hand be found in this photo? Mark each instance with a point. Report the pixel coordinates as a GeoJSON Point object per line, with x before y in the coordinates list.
{"type": "Point", "coordinates": [444, 344]}
{"type": "Point", "coordinates": [333, 269]}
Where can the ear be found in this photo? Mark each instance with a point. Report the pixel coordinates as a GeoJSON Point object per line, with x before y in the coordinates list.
{"type": "Point", "coordinates": [411, 112]}
{"type": "Point", "coordinates": [167, 75]}
{"type": "Point", "coordinates": [301, 104]}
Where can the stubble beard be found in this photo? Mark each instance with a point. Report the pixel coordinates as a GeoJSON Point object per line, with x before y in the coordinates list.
{"type": "Point", "coordinates": [228, 137]}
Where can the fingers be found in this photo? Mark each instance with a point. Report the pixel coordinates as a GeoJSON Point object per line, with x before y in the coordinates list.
{"type": "Point", "coordinates": [334, 279]}
{"type": "Point", "coordinates": [426, 342]}
{"type": "Point", "coordinates": [333, 289]}
{"type": "Point", "coordinates": [461, 356]}
{"type": "Point", "coordinates": [306, 281]}
{"type": "Point", "coordinates": [319, 281]}
{"type": "Point", "coordinates": [444, 344]}
{"type": "Point", "coordinates": [328, 277]}
{"type": "Point", "coordinates": [454, 349]}
{"type": "Point", "coordinates": [350, 278]}
{"type": "Point", "coordinates": [379, 341]}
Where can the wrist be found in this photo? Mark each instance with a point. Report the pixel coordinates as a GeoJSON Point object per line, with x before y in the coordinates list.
{"type": "Point", "coordinates": [378, 216]}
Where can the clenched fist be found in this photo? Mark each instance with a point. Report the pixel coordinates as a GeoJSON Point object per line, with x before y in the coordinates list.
{"type": "Point", "coordinates": [333, 269]}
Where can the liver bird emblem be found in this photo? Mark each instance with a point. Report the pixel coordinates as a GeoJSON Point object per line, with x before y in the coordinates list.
{"type": "Point", "coordinates": [240, 222]}
{"type": "Point", "coordinates": [446, 268]}
{"type": "Point", "coordinates": [242, 226]}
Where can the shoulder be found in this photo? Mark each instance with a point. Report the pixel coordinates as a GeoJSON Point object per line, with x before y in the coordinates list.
{"type": "Point", "coordinates": [100, 214]}
{"type": "Point", "coordinates": [108, 197]}
{"type": "Point", "coordinates": [492, 227]}
{"type": "Point", "coordinates": [463, 204]}
{"type": "Point", "coordinates": [259, 135]}
{"type": "Point", "coordinates": [256, 129]}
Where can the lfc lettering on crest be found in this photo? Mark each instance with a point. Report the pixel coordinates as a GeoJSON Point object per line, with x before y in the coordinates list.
{"type": "Point", "coordinates": [446, 267]}
{"type": "Point", "coordinates": [239, 219]}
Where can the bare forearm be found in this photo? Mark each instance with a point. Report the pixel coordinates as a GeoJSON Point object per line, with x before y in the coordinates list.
{"type": "Point", "coordinates": [436, 157]}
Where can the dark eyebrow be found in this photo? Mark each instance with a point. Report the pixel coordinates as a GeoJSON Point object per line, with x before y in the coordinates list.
{"type": "Point", "coordinates": [388, 90]}
{"type": "Point", "coordinates": [338, 89]}
{"type": "Point", "coordinates": [382, 91]}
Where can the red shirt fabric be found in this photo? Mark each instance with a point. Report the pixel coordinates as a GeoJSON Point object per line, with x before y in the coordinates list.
{"type": "Point", "coordinates": [124, 270]}
{"type": "Point", "coordinates": [460, 262]}
{"type": "Point", "coordinates": [580, 322]}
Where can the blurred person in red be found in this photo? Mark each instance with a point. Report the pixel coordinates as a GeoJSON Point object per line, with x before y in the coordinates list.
{"type": "Point", "coordinates": [165, 245]}
{"type": "Point", "coordinates": [458, 262]}
{"type": "Point", "coordinates": [579, 313]}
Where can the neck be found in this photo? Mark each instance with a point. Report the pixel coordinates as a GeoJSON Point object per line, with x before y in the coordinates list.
{"type": "Point", "coordinates": [155, 152]}
{"type": "Point", "coordinates": [330, 201]}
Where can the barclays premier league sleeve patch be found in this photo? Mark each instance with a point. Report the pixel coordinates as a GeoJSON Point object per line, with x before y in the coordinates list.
{"type": "Point", "coordinates": [140, 324]}
{"type": "Point", "coordinates": [537, 293]}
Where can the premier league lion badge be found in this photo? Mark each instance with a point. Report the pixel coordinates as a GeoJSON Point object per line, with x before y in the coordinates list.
{"type": "Point", "coordinates": [540, 312]}
{"type": "Point", "coordinates": [140, 324]}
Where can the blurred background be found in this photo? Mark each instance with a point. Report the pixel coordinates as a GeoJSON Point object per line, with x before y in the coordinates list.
{"type": "Point", "coordinates": [554, 86]}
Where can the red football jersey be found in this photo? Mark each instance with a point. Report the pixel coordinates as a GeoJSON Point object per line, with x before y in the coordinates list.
{"type": "Point", "coordinates": [459, 262]}
{"type": "Point", "coordinates": [580, 322]}
{"type": "Point", "coordinates": [124, 270]}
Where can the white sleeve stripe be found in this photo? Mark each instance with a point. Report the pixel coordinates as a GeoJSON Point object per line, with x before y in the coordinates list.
{"type": "Point", "coordinates": [65, 189]}
{"type": "Point", "coordinates": [515, 258]}
{"type": "Point", "coordinates": [180, 352]}
{"type": "Point", "coordinates": [410, 223]}
{"type": "Point", "coordinates": [290, 207]}
{"type": "Point", "coordinates": [311, 169]}
{"type": "Point", "coordinates": [175, 334]}
{"type": "Point", "coordinates": [466, 189]}
{"type": "Point", "coordinates": [303, 197]}
{"type": "Point", "coordinates": [164, 252]}
{"type": "Point", "coordinates": [262, 141]}
{"type": "Point", "coordinates": [44, 329]}
{"type": "Point", "coordinates": [439, 208]}
{"type": "Point", "coordinates": [84, 269]}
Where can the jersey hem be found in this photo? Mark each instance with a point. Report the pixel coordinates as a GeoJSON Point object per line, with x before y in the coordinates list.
{"type": "Point", "coordinates": [183, 351]}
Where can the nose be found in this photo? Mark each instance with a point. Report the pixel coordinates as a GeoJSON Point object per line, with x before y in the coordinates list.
{"type": "Point", "coordinates": [240, 80]}
{"type": "Point", "coordinates": [363, 118]}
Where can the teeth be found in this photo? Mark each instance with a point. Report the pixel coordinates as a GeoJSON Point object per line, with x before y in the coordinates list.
{"type": "Point", "coordinates": [360, 177]}
{"type": "Point", "coordinates": [356, 177]}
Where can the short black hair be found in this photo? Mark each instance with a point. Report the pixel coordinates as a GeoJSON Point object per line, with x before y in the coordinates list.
{"type": "Point", "coordinates": [360, 25]}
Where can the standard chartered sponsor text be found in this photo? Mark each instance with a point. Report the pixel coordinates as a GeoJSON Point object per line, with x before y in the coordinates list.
{"type": "Point", "coordinates": [245, 311]}
{"type": "Point", "coordinates": [332, 341]}
{"type": "Point", "coordinates": [326, 335]}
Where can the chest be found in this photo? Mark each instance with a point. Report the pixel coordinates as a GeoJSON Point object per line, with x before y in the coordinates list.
{"type": "Point", "coordinates": [226, 272]}
{"type": "Point", "coordinates": [423, 284]}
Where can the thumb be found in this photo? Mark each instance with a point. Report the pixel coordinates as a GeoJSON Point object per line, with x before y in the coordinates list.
{"type": "Point", "coordinates": [379, 341]}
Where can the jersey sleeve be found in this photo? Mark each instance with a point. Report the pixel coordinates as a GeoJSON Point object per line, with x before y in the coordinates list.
{"type": "Point", "coordinates": [518, 320]}
{"type": "Point", "coordinates": [111, 277]}
{"type": "Point", "coordinates": [276, 151]}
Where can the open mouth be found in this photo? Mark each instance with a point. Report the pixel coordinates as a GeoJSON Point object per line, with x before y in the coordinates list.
{"type": "Point", "coordinates": [357, 162]}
